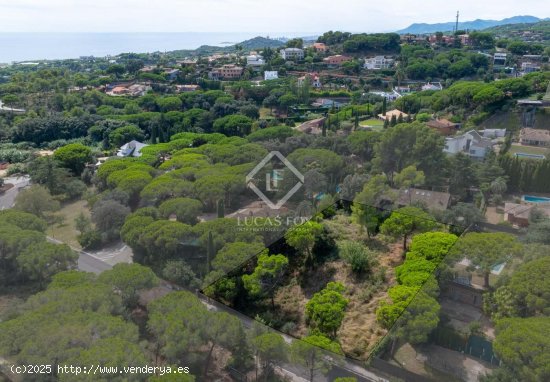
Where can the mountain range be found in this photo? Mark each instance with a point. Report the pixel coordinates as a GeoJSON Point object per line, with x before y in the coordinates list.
{"type": "Point", "coordinates": [421, 28]}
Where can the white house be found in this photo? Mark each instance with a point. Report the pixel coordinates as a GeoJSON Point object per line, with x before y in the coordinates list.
{"type": "Point", "coordinates": [292, 54]}
{"type": "Point", "coordinates": [378, 63]}
{"type": "Point", "coordinates": [314, 80]}
{"type": "Point", "coordinates": [271, 75]}
{"type": "Point", "coordinates": [131, 149]}
{"type": "Point", "coordinates": [255, 60]}
{"type": "Point", "coordinates": [499, 59]}
{"type": "Point", "coordinates": [493, 133]}
{"type": "Point", "coordinates": [432, 86]}
{"type": "Point", "coordinates": [390, 96]}
{"type": "Point", "coordinates": [470, 143]}
{"type": "Point", "coordinates": [529, 67]}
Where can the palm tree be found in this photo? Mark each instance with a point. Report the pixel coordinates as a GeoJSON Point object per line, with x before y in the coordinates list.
{"type": "Point", "coordinates": [400, 75]}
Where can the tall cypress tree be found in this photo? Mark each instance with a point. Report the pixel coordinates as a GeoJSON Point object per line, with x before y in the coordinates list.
{"type": "Point", "coordinates": [220, 208]}
{"type": "Point", "coordinates": [209, 251]}
{"type": "Point", "coordinates": [154, 130]}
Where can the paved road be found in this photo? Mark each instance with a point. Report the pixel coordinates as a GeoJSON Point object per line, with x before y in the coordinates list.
{"type": "Point", "coordinates": [86, 261]}
{"type": "Point", "coordinates": [7, 200]}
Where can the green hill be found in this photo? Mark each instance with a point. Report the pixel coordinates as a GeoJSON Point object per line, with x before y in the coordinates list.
{"type": "Point", "coordinates": [256, 43]}
{"type": "Point", "coordinates": [539, 31]}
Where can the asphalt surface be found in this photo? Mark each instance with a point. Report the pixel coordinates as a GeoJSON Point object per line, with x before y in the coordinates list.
{"type": "Point", "coordinates": [7, 200]}
{"type": "Point", "coordinates": [86, 261]}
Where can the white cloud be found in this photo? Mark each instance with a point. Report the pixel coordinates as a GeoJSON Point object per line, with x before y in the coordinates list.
{"type": "Point", "coordinates": [259, 16]}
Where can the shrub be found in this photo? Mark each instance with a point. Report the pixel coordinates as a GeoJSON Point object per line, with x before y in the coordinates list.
{"type": "Point", "coordinates": [90, 240]}
{"type": "Point", "coordinates": [356, 255]}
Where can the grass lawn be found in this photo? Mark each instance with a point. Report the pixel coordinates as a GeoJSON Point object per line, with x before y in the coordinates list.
{"type": "Point", "coordinates": [529, 150]}
{"type": "Point", "coordinates": [265, 112]}
{"type": "Point", "coordinates": [66, 230]}
{"type": "Point", "coordinates": [373, 123]}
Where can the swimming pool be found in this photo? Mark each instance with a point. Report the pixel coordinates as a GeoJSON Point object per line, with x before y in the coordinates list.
{"type": "Point", "coordinates": [535, 199]}
{"type": "Point", "coordinates": [531, 156]}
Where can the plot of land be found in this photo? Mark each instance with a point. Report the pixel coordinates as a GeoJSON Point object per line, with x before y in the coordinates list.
{"type": "Point", "coordinates": [360, 331]}
{"type": "Point", "coordinates": [66, 230]}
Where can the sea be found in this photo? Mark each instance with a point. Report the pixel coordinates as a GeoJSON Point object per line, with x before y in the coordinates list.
{"type": "Point", "coordinates": [17, 47]}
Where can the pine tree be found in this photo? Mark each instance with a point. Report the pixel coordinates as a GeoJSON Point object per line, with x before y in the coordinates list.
{"type": "Point", "coordinates": [241, 353]}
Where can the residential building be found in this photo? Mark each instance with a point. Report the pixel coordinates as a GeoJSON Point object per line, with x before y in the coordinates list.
{"type": "Point", "coordinates": [148, 69]}
{"type": "Point", "coordinates": [444, 126]}
{"type": "Point", "coordinates": [292, 54]}
{"type": "Point", "coordinates": [432, 86]}
{"type": "Point", "coordinates": [271, 75]}
{"type": "Point", "coordinates": [390, 114]}
{"type": "Point", "coordinates": [532, 57]}
{"type": "Point", "coordinates": [529, 67]}
{"type": "Point", "coordinates": [433, 200]}
{"type": "Point", "coordinates": [171, 74]}
{"type": "Point", "coordinates": [378, 63]}
{"type": "Point", "coordinates": [187, 62]}
{"type": "Point", "coordinates": [131, 149]}
{"type": "Point", "coordinates": [214, 75]}
{"type": "Point", "coordinates": [470, 143]}
{"type": "Point", "coordinates": [336, 60]}
{"type": "Point", "coordinates": [534, 137]}
{"type": "Point", "coordinates": [464, 39]}
{"type": "Point", "coordinates": [493, 133]}
{"type": "Point", "coordinates": [402, 90]}
{"type": "Point", "coordinates": [119, 90]}
{"type": "Point", "coordinates": [229, 72]}
{"type": "Point", "coordinates": [499, 59]}
{"type": "Point", "coordinates": [186, 88]}
{"type": "Point", "coordinates": [518, 214]}
{"type": "Point", "coordinates": [390, 96]}
{"type": "Point", "coordinates": [138, 90]}
{"type": "Point", "coordinates": [313, 77]}
{"type": "Point", "coordinates": [319, 47]}
{"type": "Point", "coordinates": [327, 103]}
{"type": "Point", "coordinates": [462, 290]}
{"type": "Point", "coordinates": [255, 60]}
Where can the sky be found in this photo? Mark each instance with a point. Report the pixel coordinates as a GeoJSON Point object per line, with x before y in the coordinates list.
{"type": "Point", "coordinates": [264, 17]}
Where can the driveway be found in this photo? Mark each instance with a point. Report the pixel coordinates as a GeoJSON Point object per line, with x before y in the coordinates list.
{"type": "Point", "coordinates": [7, 199]}
{"type": "Point", "coordinates": [113, 253]}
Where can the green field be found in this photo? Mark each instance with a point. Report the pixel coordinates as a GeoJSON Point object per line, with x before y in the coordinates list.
{"type": "Point", "coordinates": [373, 123]}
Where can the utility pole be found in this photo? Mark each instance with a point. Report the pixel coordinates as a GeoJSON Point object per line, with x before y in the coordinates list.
{"type": "Point", "coordinates": [456, 25]}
